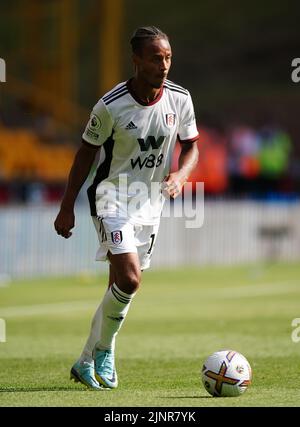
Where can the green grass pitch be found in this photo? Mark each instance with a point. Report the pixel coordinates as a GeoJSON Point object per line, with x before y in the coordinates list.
{"type": "Point", "coordinates": [177, 319]}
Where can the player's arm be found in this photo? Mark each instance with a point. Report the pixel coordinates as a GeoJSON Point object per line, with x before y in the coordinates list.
{"type": "Point", "coordinates": [81, 167]}
{"type": "Point", "coordinates": [97, 130]}
{"type": "Point", "coordinates": [187, 161]}
{"type": "Point", "coordinates": [188, 158]}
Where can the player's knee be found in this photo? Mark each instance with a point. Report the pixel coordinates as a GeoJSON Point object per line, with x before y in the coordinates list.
{"type": "Point", "coordinates": [130, 282]}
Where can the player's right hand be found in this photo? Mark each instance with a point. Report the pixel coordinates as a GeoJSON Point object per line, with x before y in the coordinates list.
{"type": "Point", "coordinates": [64, 222]}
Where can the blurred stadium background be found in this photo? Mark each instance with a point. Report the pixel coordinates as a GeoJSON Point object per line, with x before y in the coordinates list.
{"type": "Point", "coordinates": [62, 55]}
{"type": "Point", "coordinates": [233, 283]}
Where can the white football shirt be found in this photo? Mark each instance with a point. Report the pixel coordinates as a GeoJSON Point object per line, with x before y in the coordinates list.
{"type": "Point", "coordinates": [138, 141]}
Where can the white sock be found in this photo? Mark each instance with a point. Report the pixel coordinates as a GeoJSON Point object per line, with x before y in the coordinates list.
{"type": "Point", "coordinates": [115, 306]}
{"type": "Point", "coordinates": [86, 355]}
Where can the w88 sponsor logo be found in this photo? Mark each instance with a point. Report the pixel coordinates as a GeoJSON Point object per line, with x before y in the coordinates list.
{"type": "Point", "coordinates": [150, 161]}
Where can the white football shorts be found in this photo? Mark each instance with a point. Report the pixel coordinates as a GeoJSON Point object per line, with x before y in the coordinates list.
{"type": "Point", "coordinates": [119, 236]}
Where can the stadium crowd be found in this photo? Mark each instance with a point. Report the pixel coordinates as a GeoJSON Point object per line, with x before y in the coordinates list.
{"type": "Point", "coordinates": [239, 161]}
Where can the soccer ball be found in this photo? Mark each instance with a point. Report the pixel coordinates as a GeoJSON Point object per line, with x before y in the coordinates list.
{"type": "Point", "coordinates": [226, 373]}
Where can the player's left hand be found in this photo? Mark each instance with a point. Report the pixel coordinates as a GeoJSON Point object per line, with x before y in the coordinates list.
{"type": "Point", "coordinates": [173, 184]}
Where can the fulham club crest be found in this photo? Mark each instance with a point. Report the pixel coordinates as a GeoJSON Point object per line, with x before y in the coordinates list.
{"type": "Point", "coordinates": [116, 237]}
{"type": "Point", "coordinates": [170, 120]}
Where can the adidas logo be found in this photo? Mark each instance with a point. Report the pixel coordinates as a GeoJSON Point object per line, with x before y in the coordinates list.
{"type": "Point", "coordinates": [130, 126]}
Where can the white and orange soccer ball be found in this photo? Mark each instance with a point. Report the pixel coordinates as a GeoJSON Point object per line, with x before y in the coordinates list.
{"type": "Point", "coordinates": [226, 373]}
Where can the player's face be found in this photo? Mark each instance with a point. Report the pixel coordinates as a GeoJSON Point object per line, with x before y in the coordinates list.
{"type": "Point", "coordinates": [154, 62]}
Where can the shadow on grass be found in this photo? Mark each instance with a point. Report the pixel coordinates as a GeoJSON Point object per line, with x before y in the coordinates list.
{"type": "Point", "coordinates": [38, 389]}
{"type": "Point", "coordinates": [185, 397]}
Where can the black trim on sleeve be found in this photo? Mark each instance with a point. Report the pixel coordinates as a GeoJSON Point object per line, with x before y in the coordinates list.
{"type": "Point", "coordinates": [176, 86]}
{"type": "Point", "coordinates": [188, 141]}
{"type": "Point", "coordinates": [113, 93]}
{"type": "Point", "coordinates": [112, 99]}
{"type": "Point", "coordinates": [173, 89]}
{"type": "Point", "coordinates": [101, 174]}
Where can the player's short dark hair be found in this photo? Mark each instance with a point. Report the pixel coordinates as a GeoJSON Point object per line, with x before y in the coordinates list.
{"type": "Point", "coordinates": [143, 34]}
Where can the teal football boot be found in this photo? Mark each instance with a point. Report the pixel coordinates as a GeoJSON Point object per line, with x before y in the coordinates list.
{"type": "Point", "coordinates": [84, 373]}
{"type": "Point", "coordinates": [105, 372]}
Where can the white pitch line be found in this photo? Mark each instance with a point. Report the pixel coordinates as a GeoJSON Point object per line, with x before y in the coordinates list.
{"type": "Point", "coordinates": [247, 291]}
{"type": "Point", "coordinates": [256, 290]}
{"type": "Point", "coordinates": [45, 309]}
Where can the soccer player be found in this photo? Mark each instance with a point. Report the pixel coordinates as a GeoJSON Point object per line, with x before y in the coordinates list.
{"type": "Point", "coordinates": [137, 124]}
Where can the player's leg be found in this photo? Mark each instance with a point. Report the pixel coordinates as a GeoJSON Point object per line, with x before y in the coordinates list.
{"type": "Point", "coordinates": [116, 301]}
{"type": "Point", "coordinates": [83, 370]}
{"type": "Point", "coordinates": [112, 276]}
{"type": "Point", "coordinates": [128, 273]}
{"type": "Point", "coordinates": [86, 354]}
{"type": "Point", "coordinates": [125, 277]}
{"type": "Point", "coordinates": [115, 306]}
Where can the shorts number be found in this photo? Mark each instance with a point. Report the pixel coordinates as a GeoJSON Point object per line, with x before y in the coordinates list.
{"type": "Point", "coordinates": [152, 237]}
